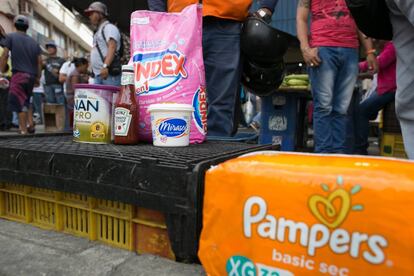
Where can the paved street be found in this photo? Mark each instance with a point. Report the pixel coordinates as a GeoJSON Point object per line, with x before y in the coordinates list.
{"type": "Point", "coordinates": [27, 250]}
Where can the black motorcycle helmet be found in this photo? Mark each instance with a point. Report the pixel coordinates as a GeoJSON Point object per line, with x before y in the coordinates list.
{"type": "Point", "coordinates": [263, 48]}
{"type": "Point", "coordinates": [261, 43]}
{"type": "Point", "coordinates": [262, 80]}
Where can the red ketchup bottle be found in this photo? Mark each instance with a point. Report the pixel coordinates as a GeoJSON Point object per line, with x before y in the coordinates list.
{"type": "Point", "coordinates": [126, 110]}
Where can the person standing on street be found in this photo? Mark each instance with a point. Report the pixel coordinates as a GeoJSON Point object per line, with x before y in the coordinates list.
{"type": "Point", "coordinates": [79, 75]}
{"type": "Point", "coordinates": [106, 52]}
{"type": "Point", "coordinates": [53, 88]}
{"type": "Point", "coordinates": [64, 72]}
{"type": "Point", "coordinates": [378, 99]}
{"type": "Point", "coordinates": [331, 52]}
{"type": "Point", "coordinates": [38, 99]}
{"type": "Point", "coordinates": [222, 21]}
{"type": "Point", "coordinates": [26, 68]}
{"type": "Point", "coordinates": [402, 19]}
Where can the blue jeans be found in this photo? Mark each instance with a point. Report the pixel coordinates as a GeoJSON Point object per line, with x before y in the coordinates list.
{"type": "Point", "coordinates": [37, 105]}
{"type": "Point", "coordinates": [332, 83]}
{"type": "Point", "coordinates": [5, 114]}
{"type": "Point", "coordinates": [353, 122]}
{"type": "Point", "coordinates": [54, 94]}
{"type": "Point", "coordinates": [110, 80]}
{"type": "Point", "coordinates": [221, 50]}
{"type": "Point", "coordinates": [368, 110]}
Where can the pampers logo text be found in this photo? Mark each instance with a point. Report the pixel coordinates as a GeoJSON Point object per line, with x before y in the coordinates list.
{"type": "Point", "coordinates": [158, 71]}
{"type": "Point", "coordinates": [325, 234]}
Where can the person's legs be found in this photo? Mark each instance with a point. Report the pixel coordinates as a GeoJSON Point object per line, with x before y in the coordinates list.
{"type": "Point", "coordinates": [50, 94]}
{"type": "Point", "coordinates": [23, 122]}
{"type": "Point", "coordinates": [112, 80]}
{"type": "Point", "coordinates": [369, 109]}
{"type": "Point", "coordinates": [344, 87]}
{"type": "Point", "coordinates": [37, 105]}
{"type": "Point", "coordinates": [221, 47]}
{"type": "Point", "coordinates": [28, 106]}
{"type": "Point", "coordinates": [21, 86]}
{"type": "Point", "coordinates": [322, 80]}
{"type": "Point", "coordinates": [407, 130]}
{"type": "Point", "coordinates": [362, 124]}
{"type": "Point", "coordinates": [15, 119]}
{"type": "Point", "coordinates": [98, 79]}
{"type": "Point", "coordinates": [26, 124]}
{"type": "Point", "coordinates": [59, 95]}
{"type": "Point", "coordinates": [61, 99]}
{"type": "Point", "coordinates": [30, 121]}
{"type": "Point", "coordinates": [4, 118]}
{"type": "Point", "coordinates": [352, 122]}
{"type": "Point", "coordinates": [402, 19]}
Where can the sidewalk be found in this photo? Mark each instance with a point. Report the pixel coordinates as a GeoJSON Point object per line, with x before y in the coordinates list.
{"type": "Point", "coordinates": [27, 250]}
{"type": "Point", "coordinates": [11, 132]}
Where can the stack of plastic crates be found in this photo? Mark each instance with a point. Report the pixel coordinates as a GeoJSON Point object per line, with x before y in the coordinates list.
{"type": "Point", "coordinates": [114, 223]}
{"type": "Point", "coordinates": [87, 182]}
{"type": "Point", "coordinates": [392, 144]}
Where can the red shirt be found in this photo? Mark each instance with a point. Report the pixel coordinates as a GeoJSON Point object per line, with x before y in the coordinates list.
{"type": "Point", "coordinates": [332, 25]}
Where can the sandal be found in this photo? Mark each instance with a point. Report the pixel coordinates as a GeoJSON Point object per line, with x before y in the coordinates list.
{"type": "Point", "coordinates": [31, 129]}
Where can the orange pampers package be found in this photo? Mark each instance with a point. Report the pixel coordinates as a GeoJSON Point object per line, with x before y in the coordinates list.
{"type": "Point", "coordinates": [280, 214]}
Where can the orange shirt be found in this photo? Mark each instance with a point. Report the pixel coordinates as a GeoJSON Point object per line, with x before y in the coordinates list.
{"type": "Point", "coordinates": [234, 9]}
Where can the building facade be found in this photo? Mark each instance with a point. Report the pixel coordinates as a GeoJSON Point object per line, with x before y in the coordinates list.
{"type": "Point", "coordinates": [49, 19]}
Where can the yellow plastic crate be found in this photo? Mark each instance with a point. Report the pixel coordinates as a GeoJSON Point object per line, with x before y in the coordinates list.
{"type": "Point", "coordinates": [111, 223]}
{"type": "Point", "coordinates": [12, 187]}
{"type": "Point", "coordinates": [41, 193]}
{"type": "Point", "coordinates": [13, 206]}
{"type": "Point", "coordinates": [114, 223]}
{"type": "Point", "coordinates": [75, 221]}
{"type": "Point", "coordinates": [151, 235]}
{"type": "Point", "coordinates": [43, 213]}
{"type": "Point", "coordinates": [74, 199]}
{"type": "Point", "coordinates": [113, 208]}
{"type": "Point", "coordinates": [392, 145]}
{"type": "Point", "coordinates": [114, 231]}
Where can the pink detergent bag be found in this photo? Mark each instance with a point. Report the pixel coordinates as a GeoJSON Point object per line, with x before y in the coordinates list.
{"type": "Point", "coordinates": [166, 51]}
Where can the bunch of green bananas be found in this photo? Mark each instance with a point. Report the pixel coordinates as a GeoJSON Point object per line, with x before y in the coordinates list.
{"type": "Point", "coordinates": [298, 81]}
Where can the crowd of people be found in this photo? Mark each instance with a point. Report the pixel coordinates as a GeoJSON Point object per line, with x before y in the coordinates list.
{"type": "Point", "coordinates": [32, 77]}
{"type": "Point", "coordinates": [330, 49]}
{"type": "Point", "coordinates": [330, 44]}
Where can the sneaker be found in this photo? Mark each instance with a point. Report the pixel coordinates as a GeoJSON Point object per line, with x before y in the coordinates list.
{"type": "Point", "coordinates": [31, 129]}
